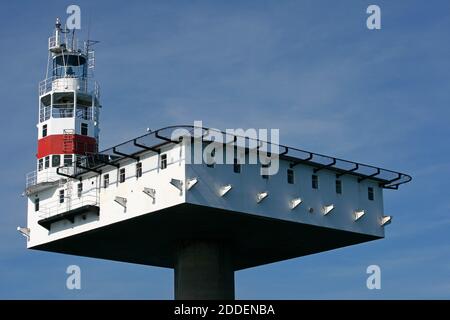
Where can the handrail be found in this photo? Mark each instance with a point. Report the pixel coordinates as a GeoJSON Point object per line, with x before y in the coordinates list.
{"type": "Point", "coordinates": [339, 165]}
{"type": "Point", "coordinates": [54, 207]}
{"type": "Point", "coordinates": [86, 84]}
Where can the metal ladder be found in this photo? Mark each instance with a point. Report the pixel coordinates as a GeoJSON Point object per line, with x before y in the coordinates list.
{"type": "Point", "coordinates": [68, 142]}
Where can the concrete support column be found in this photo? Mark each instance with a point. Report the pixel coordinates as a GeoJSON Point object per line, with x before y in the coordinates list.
{"type": "Point", "coordinates": [204, 271]}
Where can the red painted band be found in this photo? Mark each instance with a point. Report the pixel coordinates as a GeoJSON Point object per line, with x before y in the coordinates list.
{"type": "Point", "coordinates": [66, 144]}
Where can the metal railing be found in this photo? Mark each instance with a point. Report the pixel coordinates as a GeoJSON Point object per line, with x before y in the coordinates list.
{"type": "Point", "coordinates": [44, 113]}
{"type": "Point", "coordinates": [62, 110]}
{"type": "Point", "coordinates": [66, 41]}
{"type": "Point", "coordinates": [55, 207]}
{"type": "Point", "coordinates": [84, 85]}
{"type": "Point", "coordinates": [34, 177]}
{"type": "Point", "coordinates": [85, 114]}
{"type": "Point", "coordinates": [66, 110]}
{"type": "Point", "coordinates": [31, 178]}
{"type": "Point", "coordinates": [154, 140]}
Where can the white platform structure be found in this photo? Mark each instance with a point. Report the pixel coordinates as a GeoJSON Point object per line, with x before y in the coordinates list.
{"type": "Point", "coordinates": [143, 201]}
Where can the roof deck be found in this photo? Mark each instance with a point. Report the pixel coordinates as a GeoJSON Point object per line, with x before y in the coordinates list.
{"type": "Point", "coordinates": [153, 141]}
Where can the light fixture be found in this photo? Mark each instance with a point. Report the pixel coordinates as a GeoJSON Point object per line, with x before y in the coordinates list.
{"type": "Point", "coordinates": [121, 200]}
{"type": "Point", "coordinates": [191, 182]}
{"type": "Point", "coordinates": [327, 209]}
{"type": "Point", "coordinates": [261, 196]}
{"type": "Point", "coordinates": [224, 189]}
{"type": "Point", "coordinates": [358, 214]}
{"type": "Point", "coordinates": [177, 184]}
{"type": "Point", "coordinates": [150, 192]}
{"type": "Point", "coordinates": [294, 203]}
{"type": "Point", "coordinates": [385, 220]}
{"type": "Point", "coordinates": [25, 232]}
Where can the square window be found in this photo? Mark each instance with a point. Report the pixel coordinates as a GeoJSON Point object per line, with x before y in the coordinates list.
{"type": "Point", "coordinates": [122, 175]}
{"type": "Point", "coordinates": [79, 189]}
{"type": "Point", "coordinates": [290, 176]}
{"type": "Point", "coordinates": [138, 169]}
{"type": "Point", "coordinates": [315, 181]}
{"type": "Point", "coordinates": [56, 160]}
{"type": "Point", "coordinates": [47, 162]}
{"type": "Point", "coordinates": [370, 194]}
{"type": "Point", "coordinates": [61, 196]}
{"type": "Point", "coordinates": [338, 186]}
{"type": "Point", "coordinates": [84, 129]}
{"type": "Point", "coordinates": [106, 181]}
{"type": "Point", "coordinates": [163, 161]}
{"type": "Point", "coordinates": [40, 164]}
{"type": "Point", "coordinates": [67, 160]}
{"type": "Point", "coordinates": [36, 204]}
{"type": "Point", "coordinates": [44, 130]}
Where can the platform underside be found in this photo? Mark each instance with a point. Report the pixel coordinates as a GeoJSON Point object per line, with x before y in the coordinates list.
{"type": "Point", "coordinates": [153, 239]}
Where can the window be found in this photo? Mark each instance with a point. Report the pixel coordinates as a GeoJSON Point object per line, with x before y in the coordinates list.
{"type": "Point", "coordinates": [56, 160]}
{"type": "Point", "coordinates": [264, 171]}
{"type": "Point", "coordinates": [338, 186]}
{"type": "Point", "coordinates": [40, 164]}
{"type": "Point", "coordinates": [36, 204]}
{"type": "Point", "coordinates": [44, 130]}
{"type": "Point", "coordinates": [315, 181]}
{"type": "Point", "coordinates": [47, 162]}
{"type": "Point", "coordinates": [84, 129]}
{"type": "Point", "coordinates": [163, 160]}
{"type": "Point", "coordinates": [67, 160]}
{"type": "Point", "coordinates": [61, 196]}
{"type": "Point", "coordinates": [79, 160]}
{"type": "Point", "coordinates": [370, 193]}
{"type": "Point", "coordinates": [79, 189]}
{"type": "Point", "coordinates": [44, 113]}
{"type": "Point", "coordinates": [138, 169]}
{"type": "Point", "coordinates": [236, 166]}
{"type": "Point", "coordinates": [106, 181]}
{"type": "Point", "coordinates": [122, 175]}
{"type": "Point", "coordinates": [290, 176]}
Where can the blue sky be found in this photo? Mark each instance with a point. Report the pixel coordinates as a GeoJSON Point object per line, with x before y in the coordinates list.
{"type": "Point", "coordinates": [310, 68]}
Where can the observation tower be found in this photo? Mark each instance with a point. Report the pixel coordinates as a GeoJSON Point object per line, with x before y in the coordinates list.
{"type": "Point", "coordinates": [146, 201]}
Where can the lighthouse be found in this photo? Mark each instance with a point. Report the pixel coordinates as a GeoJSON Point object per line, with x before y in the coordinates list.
{"type": "Point", "coordinates": [68, 107]}
{"type": "Point", "coordinates": [145, 201]}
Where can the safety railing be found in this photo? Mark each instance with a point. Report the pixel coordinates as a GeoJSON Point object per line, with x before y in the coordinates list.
{"type": "Point", "coordinates": [67, 42]}
{"type": "Point", "coordinates": [44, 113]}
{"type": "Point", "coordinates": [83, 85]}
{"type": "Point", "coordinates": [31, 179]}
{"type": "Point", "coordinates": [84, 113]}
{"type": "Point", "coordinates": [55, 207]}
{"type": "Point", "coordinates": [34, 177]}
{"type": "Point", "coordinates": [62, 110]}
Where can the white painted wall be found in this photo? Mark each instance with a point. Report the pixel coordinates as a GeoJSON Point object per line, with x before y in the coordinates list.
{"type": "Point", "coordinates": [246, 185]}
{"type": "Point", "coordinates": [138, 203]}
{"type": "Point", "coordinates": [242, 197]}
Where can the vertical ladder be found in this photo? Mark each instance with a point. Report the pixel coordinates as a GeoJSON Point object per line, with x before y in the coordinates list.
{"type": "Point", "coordinates": [68, 141]}
{"type": "Point", "coordinates": [91, 59]}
